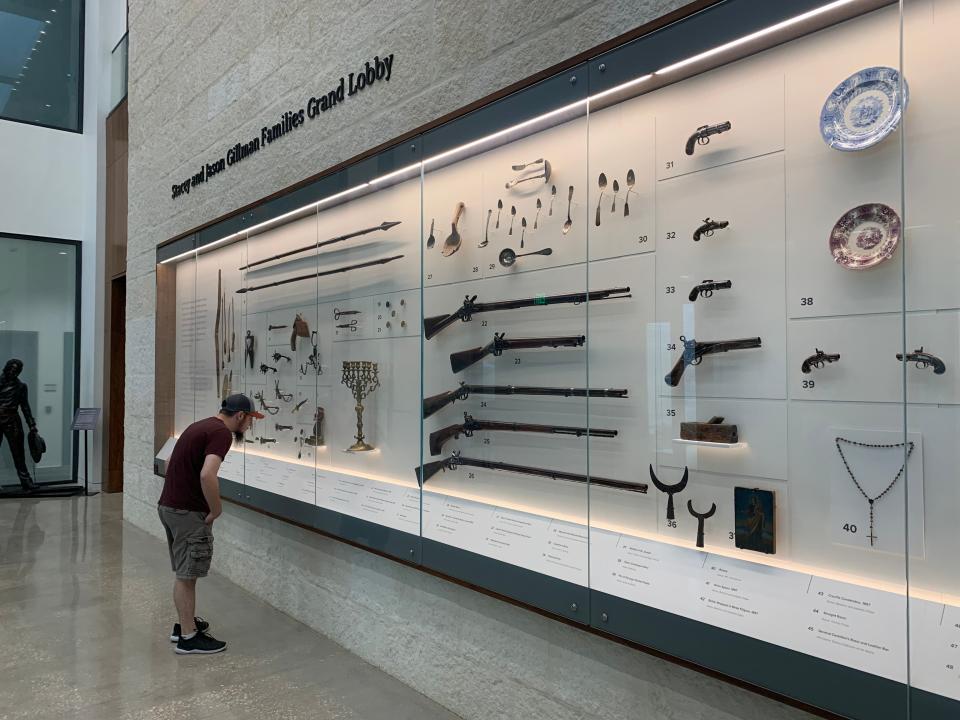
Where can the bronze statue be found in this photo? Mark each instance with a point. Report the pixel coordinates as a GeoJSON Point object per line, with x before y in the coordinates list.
{"type": "Point", "coordinates": [13, 401]}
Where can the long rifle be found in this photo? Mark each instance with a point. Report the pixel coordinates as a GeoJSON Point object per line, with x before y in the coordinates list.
{"type": "Point", "coordinates": [470, 426]}
{"type": "Point", "coordinates": [460, 361]}
{"type": "Point", "coordinates": [433, 325]}
{"type": "Point", "coordinates": [331, 241]}
{"type": "Point", "coordinates": [456, 460]}
{"type": "Point", "coordinates": [346, 268]}
{"type": "Point", "coordinates": [437, 402]}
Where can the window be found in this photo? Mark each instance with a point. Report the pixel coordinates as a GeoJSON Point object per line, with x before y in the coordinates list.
{"type": "Point", "coordinates": [41, 67]}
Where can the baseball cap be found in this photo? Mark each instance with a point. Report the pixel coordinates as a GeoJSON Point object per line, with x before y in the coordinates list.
{"type": "Point", "coordinates": [241, 403]}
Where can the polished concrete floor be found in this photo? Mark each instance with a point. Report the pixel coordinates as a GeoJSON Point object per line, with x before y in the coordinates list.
{"type": "Point", "coordinates": [85, 617]}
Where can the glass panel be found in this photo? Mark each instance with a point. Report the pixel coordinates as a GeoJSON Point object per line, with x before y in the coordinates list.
{"type": "Point", "coordinates": [38, 315]}
{"type": "Point", "coordinates": [281, 321]}
{"type": "Point", "coordinates": [931, 336]}
{"type": "Point", "coordinates": [749, 245]}
{"type": "Point", "coordinates": [506, 212]}
{"type": "Point", "coordinates": [118, 72]}
{"type": "Point", "coordinates": [40, 62]}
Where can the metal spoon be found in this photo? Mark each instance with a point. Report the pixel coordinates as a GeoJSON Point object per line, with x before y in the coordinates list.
{"type": "Point", "coordinates": [431, 241]}
{"type": "Point", "coordinates": [521, 166]}
{"type": "Point", "coordinates": [537, 218]}
{"type": "Point", "coordinates": [486, 232]}
{"type": "Point", "coordinates": [631, 179]}
{"type": "Point", "coordinates": [523, 223]}
{"type": "Point", "coordinates": [499, 208]}
{"type": "Point", "coordinates": [545, 176]}
{"type": "Point", "coordinates": [616, 189]}
{"type": "Point", "coordinates": [569, 223]}
{"type": "Point", "coordinates": [513, 214]}
{"type": "Point", "coordinates": [553, 194]}
{"type": "Point", "coordinates": [508, 257]}
{"type": "Point", "coordinates": [603, 186]}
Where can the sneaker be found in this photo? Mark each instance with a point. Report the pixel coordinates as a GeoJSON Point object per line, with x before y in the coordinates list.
{"type": "Point", "coordinates": [202, 626]}
{"type": "Point", "coordinates": [199, 644]}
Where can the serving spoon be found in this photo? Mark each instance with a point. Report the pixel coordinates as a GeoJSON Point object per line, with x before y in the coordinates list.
{"type": "Point", "coordinates": [508, 257]}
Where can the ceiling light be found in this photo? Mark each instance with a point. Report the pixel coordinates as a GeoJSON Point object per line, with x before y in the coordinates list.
{"type": "Point", "coordinates": [63, 252]}
{"type": "Point", "coordinates": [754, 35]}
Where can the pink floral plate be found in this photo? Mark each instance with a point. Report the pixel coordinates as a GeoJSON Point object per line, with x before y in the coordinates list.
{"type": "Point", "coordinates": [865, 236]}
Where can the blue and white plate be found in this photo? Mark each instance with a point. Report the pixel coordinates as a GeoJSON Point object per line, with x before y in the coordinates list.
{"type": "Point", "coordinates": [863, 109]}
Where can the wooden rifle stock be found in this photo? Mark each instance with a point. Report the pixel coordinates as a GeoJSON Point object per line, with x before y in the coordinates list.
{"type": "Point", "coordinates": [428, 470]}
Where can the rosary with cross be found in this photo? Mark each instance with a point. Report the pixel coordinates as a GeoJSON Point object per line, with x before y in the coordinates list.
{"type": "Point", "coordinates": [872, 500]}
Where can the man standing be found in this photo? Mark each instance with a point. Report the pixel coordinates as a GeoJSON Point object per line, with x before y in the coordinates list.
{"type": "Point", "coordinates": [13, 401]}
{"type": "Point", "coordinates": [189, 504]}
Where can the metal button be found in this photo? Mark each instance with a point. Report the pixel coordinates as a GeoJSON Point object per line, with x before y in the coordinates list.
{"type": "Point", "coordinates": [573, 79]}
{"type": "Point", "coordinates": [573, 607]}
{"type": "Point", "coordinates": [604, 617]}
{"type": "Point", "coordinates": [603, 67]}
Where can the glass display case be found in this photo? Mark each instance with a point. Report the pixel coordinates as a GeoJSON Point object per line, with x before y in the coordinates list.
{"type": "Point", "coordinates": [663, 344]}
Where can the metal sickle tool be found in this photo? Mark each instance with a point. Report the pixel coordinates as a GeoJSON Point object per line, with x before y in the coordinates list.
{"type": "Point", "coordinates": [701, 517]}
{"type": "Point", "coordinates": [670, 490]}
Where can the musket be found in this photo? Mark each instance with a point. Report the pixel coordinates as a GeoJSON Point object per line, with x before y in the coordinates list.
{"type": "Point", "coordinates": [331, 241]}
{"type": "Point", "coordinates": [460, 361]}
{"type": "Point", "coordinates": [818, 360]}
{"type": "Point", "coordinates": [706, 230]}
{"type": "Point", "coordinates": [470, 307]}
{"type": "Point", "coordinates": [346, 268]}
{"type": "Point", "coordinates": [703, 133]}
{"type": "Point", "coordinates": [428, 470]}
{"type": "Point", "coordinates": [706, 288]}
{"type": "Point", "coordinates": [434, 403]}
{"type": "Point", "coordinates": [694, 352]}
{"type": "Point", "coordinates": [469, 426]}
{"type": "Point", "coordinates": [925, 360]}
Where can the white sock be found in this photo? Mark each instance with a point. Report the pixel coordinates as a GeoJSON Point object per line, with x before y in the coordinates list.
{"type": "Point", "coordinates": [190, 636]}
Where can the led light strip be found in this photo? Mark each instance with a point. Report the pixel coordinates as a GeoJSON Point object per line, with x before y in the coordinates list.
{"type": "Point", "coordinates": [753, 36]}
{"type": "Point", "coordinates": [419, 166]}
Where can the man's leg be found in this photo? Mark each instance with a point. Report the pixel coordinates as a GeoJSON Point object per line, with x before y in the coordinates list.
{"type": "Point", "coordinates": [185, 598]}
{"type": "Point", "coordinates": [13, 429]}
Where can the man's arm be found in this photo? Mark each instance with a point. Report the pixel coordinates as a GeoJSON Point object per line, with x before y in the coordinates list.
{"type": "Point", "coordinates": [210, 484]}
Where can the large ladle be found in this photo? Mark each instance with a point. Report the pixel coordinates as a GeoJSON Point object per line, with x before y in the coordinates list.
{"type": "Point", "coordinates": [452, 243]}
{"type": "Point", "coordinates": [508, 257]}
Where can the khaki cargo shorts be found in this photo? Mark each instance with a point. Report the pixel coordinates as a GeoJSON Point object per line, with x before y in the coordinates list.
{"type": "Point", "coordinates": [190, 541]}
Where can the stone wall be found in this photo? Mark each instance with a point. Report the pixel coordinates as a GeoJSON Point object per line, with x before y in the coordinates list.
{"type": "Point", "coordinates": [206, 73]}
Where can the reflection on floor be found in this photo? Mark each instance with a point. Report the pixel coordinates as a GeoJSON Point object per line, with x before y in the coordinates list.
{"type": "Point", "coordinates": [85, 616]}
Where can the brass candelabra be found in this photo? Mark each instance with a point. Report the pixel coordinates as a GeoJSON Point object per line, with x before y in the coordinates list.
{"type": "Point", "coordinates": [362, 377]}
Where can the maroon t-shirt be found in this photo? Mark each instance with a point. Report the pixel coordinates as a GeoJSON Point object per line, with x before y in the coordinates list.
{"type": "Point", "coordinates": [181, 489]}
